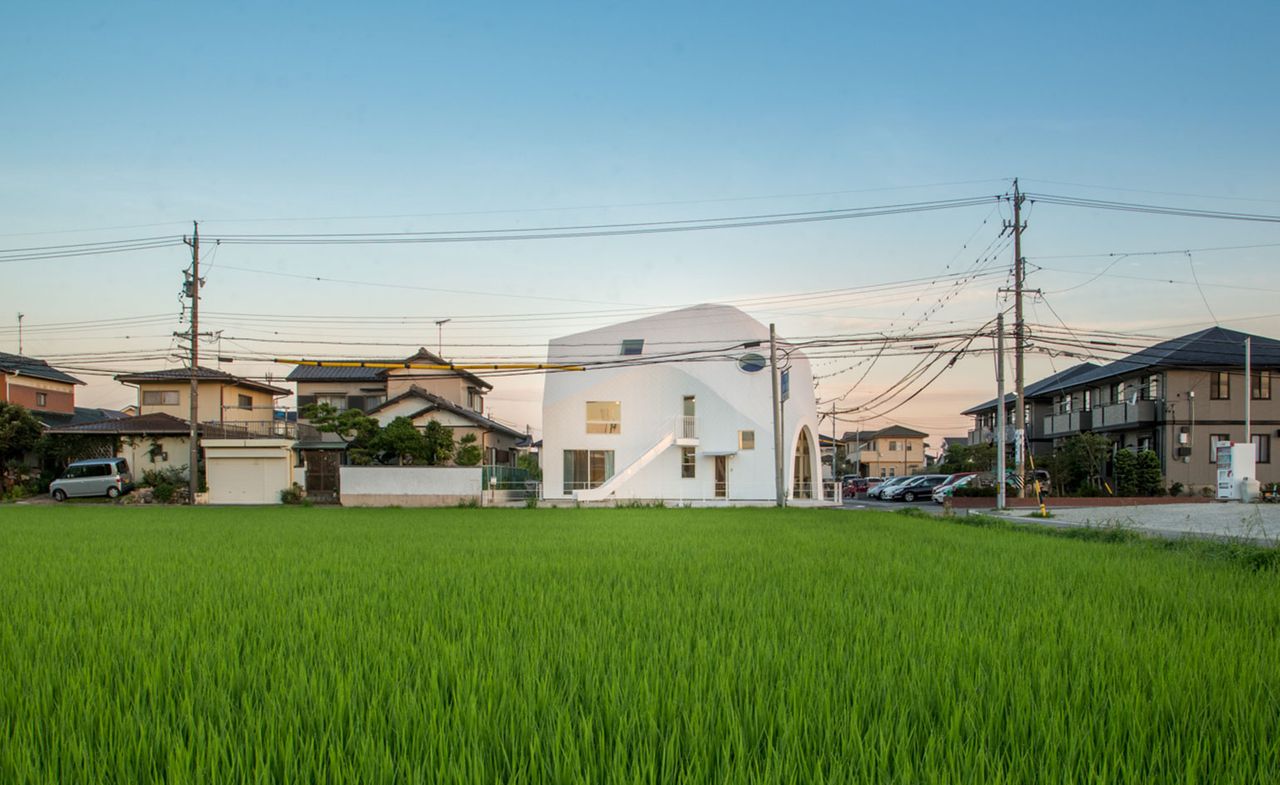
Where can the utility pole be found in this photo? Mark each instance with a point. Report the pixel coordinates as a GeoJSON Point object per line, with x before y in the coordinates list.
{"type": "Point", "coordinates": [20, 315]}
{"type": "Point", "coordinates": [1019, 346]}
{"type": "Point", "coordinates": [1000, 413]}
{"type": "Point", "coordinates": [779, 481]}
{"type": "Point", "coordinates": [835, 456]}
{"type": "Point", "coordinates": [1248, 393]}
{"type": "Point", "coordinates": [193, 464]}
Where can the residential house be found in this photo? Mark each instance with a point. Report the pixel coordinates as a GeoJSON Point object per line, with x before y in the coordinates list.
{"type": "Point", "coordinates": [893, 451]}
{"type": "Point", "coordinates": [1178, 398]}
{"type": "Point", "coordinates": [454, 397]}
{"type": "Point", "coordinates": [150, 441]}
{"type": "Point", "coordinates": [1037, 407]}
{"type": "Point", "coordinates": [48, 393]}
{"type": "Point", "coordinates": [677, 407]}
{"type": "Point", "coordinates": [223, 399]}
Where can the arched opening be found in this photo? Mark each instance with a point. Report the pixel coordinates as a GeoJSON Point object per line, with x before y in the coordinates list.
{"type": "Point", "coordinates": [802, 471]}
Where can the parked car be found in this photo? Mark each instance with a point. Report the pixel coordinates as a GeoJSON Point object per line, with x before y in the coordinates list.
{"type": "Point", "coordinates": [108, 477]}
{"type": "Point", "coordinates": [917, 487]}
{"type": "Point", "coordinates": [887, 484]}
{"type": "Point", "coordinates": [854, 485]}
{"type": "Point", "coordinates": [945, 490]}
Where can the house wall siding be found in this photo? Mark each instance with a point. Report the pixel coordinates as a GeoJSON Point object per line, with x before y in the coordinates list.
{"type": "Point", "coordinates": [60, 398]}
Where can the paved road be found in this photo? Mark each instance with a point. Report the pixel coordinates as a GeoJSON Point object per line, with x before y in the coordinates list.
{"type": "Point", "coordinates": [872, 504]}
{"type": "Point", "coordinates": [1258, 523]}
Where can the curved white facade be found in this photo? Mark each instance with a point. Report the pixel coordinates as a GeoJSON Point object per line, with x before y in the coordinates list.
{"type": "Point", "coordinates": [642, 449]}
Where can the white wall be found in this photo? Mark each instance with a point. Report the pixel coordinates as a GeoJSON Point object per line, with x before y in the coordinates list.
{"type": "Point", "coordinates": [728, 399]}
{"type": "Point", "coordinates": [408, 486]}
{"type": "Point", "coordinates": [247, 471]}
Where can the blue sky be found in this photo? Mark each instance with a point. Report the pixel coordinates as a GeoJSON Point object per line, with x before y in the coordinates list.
{"type": "Point", "coordinates": [128, 114]}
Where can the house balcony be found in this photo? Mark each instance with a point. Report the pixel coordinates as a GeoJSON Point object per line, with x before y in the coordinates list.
{"type": "Point", "coordinates": [259, 429]}
{"type": "Point", "coordinates": [1068, 423]}
{"type": "Point", "coordinates": [686, 431]}
{"type": "Point", "coordinates": [988, 435]}
{"type": "Point", "coordinates": [1116, 416]}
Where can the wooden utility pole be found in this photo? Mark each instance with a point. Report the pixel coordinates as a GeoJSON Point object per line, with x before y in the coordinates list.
{"type": "Point", "coordinates": [1021, 443]}
{"type": "Point", "coordinates": [193, 465]}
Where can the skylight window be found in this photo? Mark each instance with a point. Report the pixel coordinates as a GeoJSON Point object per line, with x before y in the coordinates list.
{"type": "Point", "coordinates": [632, 347]}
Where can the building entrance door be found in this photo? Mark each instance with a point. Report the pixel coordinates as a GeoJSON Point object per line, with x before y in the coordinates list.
{"type": "Point", "coordinates": [722, 476]}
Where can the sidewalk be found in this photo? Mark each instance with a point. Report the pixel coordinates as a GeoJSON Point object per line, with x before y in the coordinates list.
{"type": "Point", "coordinates": [1257, 523]}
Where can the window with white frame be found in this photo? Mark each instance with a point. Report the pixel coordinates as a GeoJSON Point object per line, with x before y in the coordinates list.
{"type": "Point", "coordinates": [688, 463]}
{"type": "Point", "coordinates": [746, 440]}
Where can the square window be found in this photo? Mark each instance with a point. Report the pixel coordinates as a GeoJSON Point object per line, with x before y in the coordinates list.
{"type": "Point", "coordinates": [244, 401]}
{"type": "Point", "coordinates": [746, 440]}
{"type": "Point", "coordinates": [604, 417]}
{"type": "Point", "coordinates": [160, 398]}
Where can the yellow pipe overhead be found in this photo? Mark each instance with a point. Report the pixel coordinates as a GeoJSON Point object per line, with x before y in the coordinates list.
{"type": "Point", "coordinates": [430, 366]}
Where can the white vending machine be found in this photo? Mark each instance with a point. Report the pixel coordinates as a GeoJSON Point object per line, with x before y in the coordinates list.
{"type": "Point", "coordinates": [1235, 466]}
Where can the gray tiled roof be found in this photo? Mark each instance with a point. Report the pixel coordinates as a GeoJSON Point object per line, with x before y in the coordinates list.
{"type": "Point", "coordinates": [30, 366]}
{"type": "Point", "coordinates": [155, 423]}
{"type": "Point", "coordinates": [1038, 388]}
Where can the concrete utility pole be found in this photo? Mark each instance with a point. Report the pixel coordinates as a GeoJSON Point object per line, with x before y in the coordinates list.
{"type": "Point", "coordinates": [1019, 345]}
{"type": "Point", "coordinates": [1000, 416]}
{"type": "Point", "coordinates": [1248, 392]}
{"type": "Point", "coordinates": [193, 465]}
{"type": "Point", "coordinates": [779, 477]}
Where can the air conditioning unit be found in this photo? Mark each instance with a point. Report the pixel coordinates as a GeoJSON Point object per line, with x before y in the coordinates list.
{"type": "Point", "coordinates": [1184, 452]}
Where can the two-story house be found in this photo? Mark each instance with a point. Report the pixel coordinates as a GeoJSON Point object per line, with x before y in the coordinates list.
{"type": "Point", "coordinates": [1178, 398]}
{"type": "Point", "coordinates": [1039, 404]}
{"type": "Point", "coordinates": [387, 389]}
{"type": "Point", "coordinates": [893, 451]}
{"type": "Point", "coordinates": [48, 393]}
{"type": "Point", "coordinates": [223, 399]}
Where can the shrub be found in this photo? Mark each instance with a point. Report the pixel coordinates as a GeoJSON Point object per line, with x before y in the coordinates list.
{"type": "Point", "coordinates": [1175, 489]}
{"type": "Point", "coordinates": [1126, 470]}
{"type": "Point", "coordinates": [163, 492]}
{"type": "Point", "coordinates": [170, 475]}
{"type": "Point", "coordinates": [293, 495]}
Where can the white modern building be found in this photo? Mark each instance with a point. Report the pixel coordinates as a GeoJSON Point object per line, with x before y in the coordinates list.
{"type": "Point", "coordinates": [677, 407]}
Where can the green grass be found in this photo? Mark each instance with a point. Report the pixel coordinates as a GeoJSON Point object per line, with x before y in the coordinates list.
{"type": "Point", "coordinates": [327, 645]}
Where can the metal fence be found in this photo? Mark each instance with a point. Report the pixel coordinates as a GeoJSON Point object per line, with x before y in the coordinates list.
{"type": "Point", "coordinates": [259, 429]}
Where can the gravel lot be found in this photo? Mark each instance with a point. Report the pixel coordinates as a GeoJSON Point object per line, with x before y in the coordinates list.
{"type": "Point", "coordinates": [1255, 522]}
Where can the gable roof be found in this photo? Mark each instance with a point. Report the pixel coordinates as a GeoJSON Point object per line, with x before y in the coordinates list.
{"type": "Point", "coordinates": [145, 424]}
{"type": "Point", "coordinates": [30, 366]}
{"type": "Point", "coordinates": [901, 431]}
{"type": "Point", "coordinates": [363, 373]}
{"type": "Point", "coordinates": [201, 373]}
{"type": "Point", "coordinates": [1214, 347]}
{"type": "Point", "coordinates": [1040, 387]}
{"type": "Point", "coordinates": [434, 402]}
{"type": "Point", "coordinates": [79, 415]}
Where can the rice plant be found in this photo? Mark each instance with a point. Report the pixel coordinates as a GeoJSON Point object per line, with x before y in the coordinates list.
{"type": "Point", "coordinates": [632, 645]}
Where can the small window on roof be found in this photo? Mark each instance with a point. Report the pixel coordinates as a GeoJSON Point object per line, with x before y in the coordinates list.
{"type": "Point", "coordinates": [632, 346]}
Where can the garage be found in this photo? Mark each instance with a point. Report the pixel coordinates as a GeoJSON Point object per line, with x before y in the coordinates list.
{"type": "Point", "coordinates": [247, 471]}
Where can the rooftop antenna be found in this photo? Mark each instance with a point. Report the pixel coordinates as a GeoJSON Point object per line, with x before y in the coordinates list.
{"type": "Point", "coordinates": [440, 323]}
{"type": "Point", "coordinates": [20, 315]}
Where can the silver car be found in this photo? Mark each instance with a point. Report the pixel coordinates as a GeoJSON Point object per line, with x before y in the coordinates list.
{"type": "Point", "coordinates": [108, 477]}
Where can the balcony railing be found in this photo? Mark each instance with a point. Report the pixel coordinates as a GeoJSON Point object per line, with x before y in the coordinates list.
{"type": "Point", "coordinates": [259, 429]}
{"type": "Point", "coordinates": [1068, 423]}
{"type": "Point", "coordinates": [1124, 415]}
{"type": "Point", "coordinates": [686, 430]}
{"type": "Point", "coordinates": [985, 435]}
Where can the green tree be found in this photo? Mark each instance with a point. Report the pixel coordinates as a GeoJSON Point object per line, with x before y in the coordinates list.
{"type": "Point", "coordinates": [19, 432]}
{"type": "Point", "coordinates": [353, 426]}
{"type": "Point", "coordinates": [1126, 470]}
{"type": "Point", "coordinates": [469, 453]}
{"type": "Point", "coordinates": [968, 458]}
{"type": "Point", "coordinates": [1078, 463]}
{"type": "Point", "coordinates": [529, 462]}
{"type": "Point", "coordinates": [439, 441]}
{"type": "Point", "coordinates": [400, 442]}
{"type": "Point", "coordinates": [1150, 481]}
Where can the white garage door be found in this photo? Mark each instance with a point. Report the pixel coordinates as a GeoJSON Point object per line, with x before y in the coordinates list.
{"type": "Point", "coordinates": [238, 481]}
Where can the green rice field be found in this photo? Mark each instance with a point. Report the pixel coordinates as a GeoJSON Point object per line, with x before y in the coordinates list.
{"type": "Point", "coordinates": [315, 645]}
